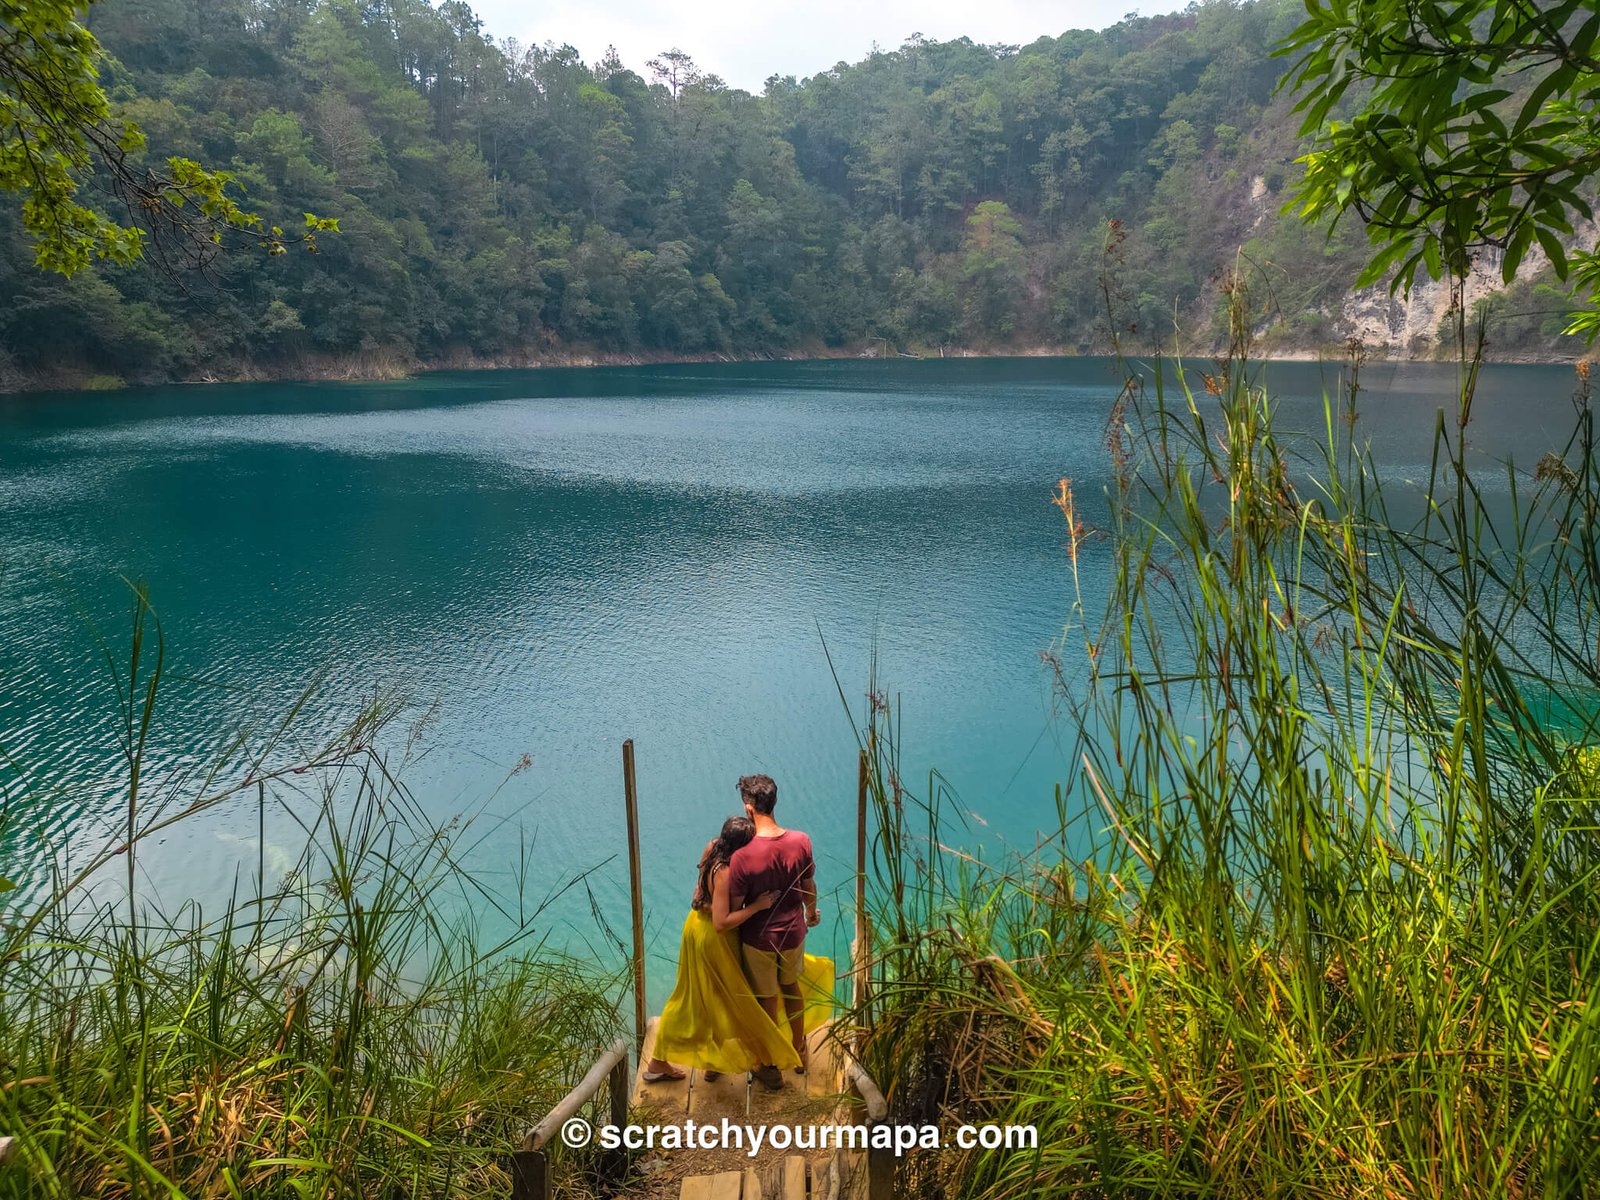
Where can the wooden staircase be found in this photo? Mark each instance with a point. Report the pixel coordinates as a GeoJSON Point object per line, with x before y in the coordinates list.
{"type": "Point", "coordinates": [835, 1091]}
{"type": "Point", "coordinates": [823, 1096]}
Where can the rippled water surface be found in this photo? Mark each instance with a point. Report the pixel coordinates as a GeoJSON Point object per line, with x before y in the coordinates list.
{"type": "Point", "coordinates": [564, 559]}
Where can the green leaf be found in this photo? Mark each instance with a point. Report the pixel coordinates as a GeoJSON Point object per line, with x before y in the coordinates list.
{"type": "Point", "coordinates": [1553, 249]}
{"type": "Point", "coordinates": [1531, 107]}
{"type": "Point", "coordinates": [1430, 251]}
{"type": "Point", "coordinates": [1514, 255]}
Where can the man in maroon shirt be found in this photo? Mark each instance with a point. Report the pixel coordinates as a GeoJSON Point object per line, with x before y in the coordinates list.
{"type": "Point", "coordinates": [773, 942]}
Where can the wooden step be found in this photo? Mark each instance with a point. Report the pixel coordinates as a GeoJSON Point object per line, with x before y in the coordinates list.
{"type": "Point", "coordinates": [725, 1096]}
{"type": "Point", "coordinates": [739, 1185]}
{"type": "Point", "coordinates": [793, 1178]}
{"type": "Point", "coordinates": [724, 1185]}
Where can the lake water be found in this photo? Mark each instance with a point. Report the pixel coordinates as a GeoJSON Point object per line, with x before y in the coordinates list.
{"type": "Point", "coordinates": [566, 558]}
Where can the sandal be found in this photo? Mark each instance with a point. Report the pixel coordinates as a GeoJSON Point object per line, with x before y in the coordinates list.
{"type": "Point", "coordinates": [670, 1075]}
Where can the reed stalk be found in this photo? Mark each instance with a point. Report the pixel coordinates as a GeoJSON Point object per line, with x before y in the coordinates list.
{"type": "Point", "coordinates": [344, 1028]}
{"type": "Point", "coordinates": [1322, 915]}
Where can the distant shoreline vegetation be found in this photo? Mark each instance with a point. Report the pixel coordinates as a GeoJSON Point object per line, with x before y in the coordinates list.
{"type": "Point", "coordinates": [380, 368]}
{"type": "Point", "coordinates": [507, 204]}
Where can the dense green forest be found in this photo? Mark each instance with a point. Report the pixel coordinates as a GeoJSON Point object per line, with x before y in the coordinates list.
{"type": "Point", "coordinates": [500, 203]}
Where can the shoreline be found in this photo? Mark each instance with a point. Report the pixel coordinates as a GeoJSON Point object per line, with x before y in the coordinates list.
{"type": "Point", "coordinates": [378, 367]}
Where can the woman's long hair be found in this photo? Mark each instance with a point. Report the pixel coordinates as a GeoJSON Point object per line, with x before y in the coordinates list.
{"type": "Point", "coordinates": [736, 832]}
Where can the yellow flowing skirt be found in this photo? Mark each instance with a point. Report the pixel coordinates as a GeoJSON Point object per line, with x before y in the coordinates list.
{"type": "Point", "coordinates": [713, 1020]}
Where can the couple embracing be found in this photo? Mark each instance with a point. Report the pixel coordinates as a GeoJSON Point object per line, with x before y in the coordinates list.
{"type": "Point", "coordinates": [747, 992]}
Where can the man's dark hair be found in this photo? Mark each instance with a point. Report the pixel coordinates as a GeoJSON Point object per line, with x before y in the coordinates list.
{"type": "Point", "coordinates": [759, 792]}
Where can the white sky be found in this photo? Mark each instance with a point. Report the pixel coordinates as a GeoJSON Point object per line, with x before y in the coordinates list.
{"type": "Point", "coordinates": [745, 41]}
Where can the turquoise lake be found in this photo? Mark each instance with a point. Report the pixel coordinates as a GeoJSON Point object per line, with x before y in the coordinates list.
{"type": "Point", "coordinates": [562, 559]}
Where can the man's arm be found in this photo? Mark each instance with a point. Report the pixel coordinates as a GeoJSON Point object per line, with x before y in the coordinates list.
{"type": "Point", "coordinates": [808, 889]}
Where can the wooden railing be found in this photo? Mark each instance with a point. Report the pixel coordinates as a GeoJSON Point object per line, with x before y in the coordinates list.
{"type": "Point", "coordinates": [8, 1147]}
{"type": "Point", "coordinates": [530, 1164]}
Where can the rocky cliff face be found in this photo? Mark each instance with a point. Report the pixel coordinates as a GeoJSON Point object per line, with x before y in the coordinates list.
{"type": "Point", "coordinates": [1406, 324]}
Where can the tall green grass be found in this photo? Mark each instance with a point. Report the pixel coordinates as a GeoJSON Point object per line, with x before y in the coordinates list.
{"type": "Point", "coordinates": [342, 1030]}
{"type": "Point", "coordinates": [1323, 916]}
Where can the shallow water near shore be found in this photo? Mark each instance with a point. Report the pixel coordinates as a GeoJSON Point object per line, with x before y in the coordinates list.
{"type": "Point", "coordinates": [566, 558]}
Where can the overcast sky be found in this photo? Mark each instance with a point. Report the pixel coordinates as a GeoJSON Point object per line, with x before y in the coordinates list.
{"type": "Point", "coordinates": [745, 41]}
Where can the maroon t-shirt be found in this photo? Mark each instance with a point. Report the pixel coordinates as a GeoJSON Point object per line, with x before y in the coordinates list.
{"type": "Point", "coordinates": [773, 864]}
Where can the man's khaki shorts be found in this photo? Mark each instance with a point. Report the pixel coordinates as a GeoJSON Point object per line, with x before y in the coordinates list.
{"type": "Point", "coordinates": [772, 970]}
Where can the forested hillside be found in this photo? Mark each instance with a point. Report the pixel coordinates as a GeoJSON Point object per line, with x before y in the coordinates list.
{"type": "Point", "coordinates": [508, 203]}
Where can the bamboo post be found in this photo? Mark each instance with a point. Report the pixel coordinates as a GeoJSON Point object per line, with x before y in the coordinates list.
{"type": "Point", "coordinates": [530, 1175]}
{"type": "Point", "coordinates": [617, 1160]}
{"type": "Point", "coordinates": [619, 1093]}
{"type": "Point", "coordinates": [880, 1173]}
{"type": "Point", "coordinates": [880, 1161]}
{"type": "Point", "coordinates": [631, 794]}
{"type": "Point", "coordinates": [861, 947]}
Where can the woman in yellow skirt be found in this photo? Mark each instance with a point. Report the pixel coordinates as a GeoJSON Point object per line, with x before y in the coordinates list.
{"type": "Point", "coordinates": [713, 1020]}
